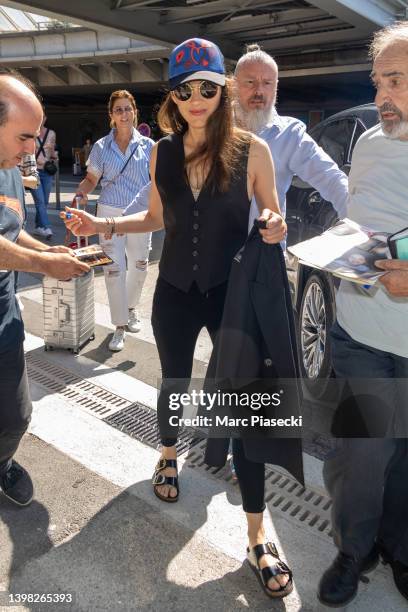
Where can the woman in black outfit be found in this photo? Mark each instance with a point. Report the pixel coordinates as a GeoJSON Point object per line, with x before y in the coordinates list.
{"type": "Point", "coordinates": [204, 174]}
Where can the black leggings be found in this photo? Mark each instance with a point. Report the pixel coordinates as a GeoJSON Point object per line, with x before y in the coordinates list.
{"type": "Point", "coordinates": [177, 319]}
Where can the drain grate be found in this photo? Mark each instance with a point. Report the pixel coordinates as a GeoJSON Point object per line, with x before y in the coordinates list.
{"type": "Point", "coordinates": [134, 419]}
{"type": "Point", "coordinates": [283, 493]}
{"type": "Point", "coordinates": [140, 422]}
{"type": "Point", "coordinates": [88, 396]}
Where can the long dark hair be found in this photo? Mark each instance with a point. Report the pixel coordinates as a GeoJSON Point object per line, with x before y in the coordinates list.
{"type": "Point", "coordinates": [223, 144]}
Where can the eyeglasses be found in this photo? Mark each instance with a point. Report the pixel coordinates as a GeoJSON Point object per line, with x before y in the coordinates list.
{"type": "Point", "coordinates": [119, 110]}
{"type": "Point", "coordinates": [207, 90]}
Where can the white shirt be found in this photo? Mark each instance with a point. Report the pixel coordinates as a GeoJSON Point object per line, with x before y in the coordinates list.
{"type": "Point", "coordinates": [379, 200]}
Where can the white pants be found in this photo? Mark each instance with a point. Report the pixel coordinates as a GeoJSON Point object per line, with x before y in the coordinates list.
{"type": "Point", "coordinates": [124, 287]}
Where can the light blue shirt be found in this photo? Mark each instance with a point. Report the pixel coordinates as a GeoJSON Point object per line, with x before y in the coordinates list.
{"type": "Point", "coordinates": [106, 161]}
{"type": "Point", "coordinates": [294, 152]}
{"type": "Point", "coordinates": [140, 202]}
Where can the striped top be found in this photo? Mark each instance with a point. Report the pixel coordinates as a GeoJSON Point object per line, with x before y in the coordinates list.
{"type": "Point", "coordinates": [28, 166]}
{"type": "Point", "coordinates": [106, 161]}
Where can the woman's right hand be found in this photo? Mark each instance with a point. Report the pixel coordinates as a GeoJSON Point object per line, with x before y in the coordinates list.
{"type": "Point", "coordinates": [84, 198]}
{"type": "Point", "coordinates": [79, 222]}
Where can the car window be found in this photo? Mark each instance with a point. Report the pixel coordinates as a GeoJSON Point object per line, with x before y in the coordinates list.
{"type": "Point", "coordinates": [336, 138]}
{"type": "Point", "coordinates": [316, 132]}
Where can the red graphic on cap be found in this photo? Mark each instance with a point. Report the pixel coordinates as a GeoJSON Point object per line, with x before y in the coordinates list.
{"type": "Point", "coordinates": [199, 54]}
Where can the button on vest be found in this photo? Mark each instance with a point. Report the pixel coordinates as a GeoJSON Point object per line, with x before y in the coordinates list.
{"type": "Point", "coordinates": [202, 236]}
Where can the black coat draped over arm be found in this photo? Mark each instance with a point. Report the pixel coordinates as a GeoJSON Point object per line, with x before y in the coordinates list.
{"type": "Point", "coordinates": [256, 341]}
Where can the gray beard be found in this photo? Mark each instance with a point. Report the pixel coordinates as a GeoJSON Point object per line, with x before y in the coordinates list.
{"type": "Point", "coordinates": [254, 120]}
{"type": "Point", "coordinates": [398, 132]}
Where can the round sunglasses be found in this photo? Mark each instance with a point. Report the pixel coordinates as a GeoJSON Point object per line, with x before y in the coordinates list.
{"type": "Point", "coordinates": [207, 90]}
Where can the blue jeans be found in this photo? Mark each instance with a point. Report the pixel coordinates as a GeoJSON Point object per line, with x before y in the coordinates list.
{"type": "Point", "coordinates": [367, 478]}
{"type": "Point", "coordinates": [41, 195]}
{"type": "Point", "coordinates": [16, 406]}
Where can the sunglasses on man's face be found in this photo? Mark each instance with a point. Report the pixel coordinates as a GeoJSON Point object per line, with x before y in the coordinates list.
{"type": "Point", "coordinates": [207, 90]}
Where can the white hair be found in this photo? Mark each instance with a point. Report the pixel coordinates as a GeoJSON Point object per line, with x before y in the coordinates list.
{"type": "Point", "coordinates": [388, 36]}
{"type": "Point", "coordinates": [256, 119]}
{"type": "Point", "coordinates": [398, 131]}
{"type": "Point", "coordinates": [254, 53]}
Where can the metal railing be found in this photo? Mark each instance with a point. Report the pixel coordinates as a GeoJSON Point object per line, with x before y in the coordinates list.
{"type": "Point", "coordinates": [57, 189]}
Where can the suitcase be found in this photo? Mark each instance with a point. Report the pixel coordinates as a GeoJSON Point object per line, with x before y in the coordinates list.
{"type": "Point", "coordinates": [69, 311]}
{"type": "Point", "coordinates": [76, 169]}
{"type": "Point", "coordinates": [76, 166]}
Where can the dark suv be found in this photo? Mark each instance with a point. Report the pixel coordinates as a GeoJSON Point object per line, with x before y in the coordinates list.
{"type": "Point", "coordinates": [309, 215]}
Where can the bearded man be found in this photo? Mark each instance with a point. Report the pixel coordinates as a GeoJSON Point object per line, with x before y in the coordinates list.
{"type": "Point", "coordinates": [368, 478]}
{"type": "Point", "coordinates": [294, 152]}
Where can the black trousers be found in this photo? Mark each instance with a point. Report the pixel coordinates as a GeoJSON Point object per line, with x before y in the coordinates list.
{"type": "Point", "coordinates": [15, 403]}
{"type": "Point", "coordinates": [367, 478]}
{"type": "Point", "coordinates": [177, 319]}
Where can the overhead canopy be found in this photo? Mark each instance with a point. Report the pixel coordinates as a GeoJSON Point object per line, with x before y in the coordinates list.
{"type": "Point", "coordinates": [281, 26]}
{"type": "Point", "coordinates": [129, 40]}
{"type": "Point", "coordinates": [12, 20]}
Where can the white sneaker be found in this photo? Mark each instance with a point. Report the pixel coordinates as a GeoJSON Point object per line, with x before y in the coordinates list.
{"type": "Point", "coordinates": [48, 232]}
{"type": "Point", "coordinates": [118, 340]}
{"type": "Point", "coordinates": [41, 231]}
{"type": "Point", "coordinates": [134, 323]}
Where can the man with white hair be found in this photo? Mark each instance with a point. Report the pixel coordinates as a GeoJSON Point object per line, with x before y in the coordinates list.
{"type": "Point", "coordinates": [20, 120]}
{"type": "Point", "coordinates": [368, 478]}
{"type": "Point", "coordinates": [294, 152]}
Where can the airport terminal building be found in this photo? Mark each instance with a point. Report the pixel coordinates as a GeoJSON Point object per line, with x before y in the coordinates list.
{"type": "Point", "coordinates": [78, 52]}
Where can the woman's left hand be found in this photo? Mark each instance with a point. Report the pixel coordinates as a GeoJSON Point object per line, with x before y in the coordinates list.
{"type": "Point", "coordinates": [276, 228]}
{"type": "Point", "coordinates": [79, 222]}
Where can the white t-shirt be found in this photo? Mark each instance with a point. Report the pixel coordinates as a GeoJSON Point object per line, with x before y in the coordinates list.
{"type": "Point", "coordinates": [378, 199]}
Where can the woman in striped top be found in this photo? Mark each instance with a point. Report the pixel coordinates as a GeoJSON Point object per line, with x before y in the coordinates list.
{"type": "Point", "coordinates": [120, 161]}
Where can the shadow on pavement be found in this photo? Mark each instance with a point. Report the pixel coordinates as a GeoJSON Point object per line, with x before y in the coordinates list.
{"type": "Point", "coordinates": [28, 531]}
{"type": "Point", "coordinates": [130, 556]}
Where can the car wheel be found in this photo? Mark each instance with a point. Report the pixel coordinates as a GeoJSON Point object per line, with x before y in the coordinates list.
{"type": "Point", "coordinates": [316, 317]}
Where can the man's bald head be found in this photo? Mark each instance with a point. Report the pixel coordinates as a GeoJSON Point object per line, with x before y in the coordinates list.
{"type": "Point", "coordinates": [20, 119]}
{"type": "Point", "coordinates": [15, 88]}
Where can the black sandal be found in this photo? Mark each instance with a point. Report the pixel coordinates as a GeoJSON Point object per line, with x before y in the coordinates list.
{"type": "Point", "coordinates": [160, 479]}
{"type": "Point", "coordinates": [266, 573]}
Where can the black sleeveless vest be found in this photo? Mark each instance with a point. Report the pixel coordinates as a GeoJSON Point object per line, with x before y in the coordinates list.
{"type": "Point", "coordinates": [201, 237]}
